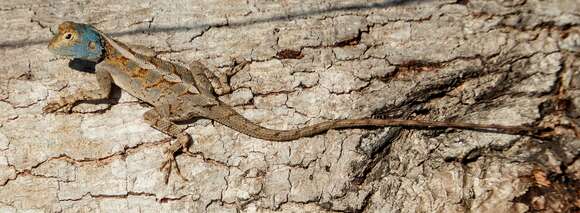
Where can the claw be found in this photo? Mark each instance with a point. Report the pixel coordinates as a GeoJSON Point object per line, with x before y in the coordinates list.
{"type": "Point", "coordinates": [51, 107]}
{"type": "Point", "coordinates": [67, 108]}
{"type": "Point", "coordinates": [47, 109]}
{"type": "Point", "coordinates": [166, 166]}
{"type": "Point", "coordinates": [57, 105]}
{"type": "Point", "coordinates": [169, 155]}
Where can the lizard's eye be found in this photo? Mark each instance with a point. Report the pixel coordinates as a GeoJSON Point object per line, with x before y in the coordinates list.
{"type": "Point", "coordinates": [68, 36]}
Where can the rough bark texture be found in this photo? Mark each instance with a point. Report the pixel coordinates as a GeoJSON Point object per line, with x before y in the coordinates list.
{"type": "Point", "coordinates": [506, 62]}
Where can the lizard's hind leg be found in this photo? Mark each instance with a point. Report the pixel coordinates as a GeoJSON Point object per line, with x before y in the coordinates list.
{"type": "Point", "coordinates": [205, 78]}
{"type": "Point", "coordinates": [163, 124]}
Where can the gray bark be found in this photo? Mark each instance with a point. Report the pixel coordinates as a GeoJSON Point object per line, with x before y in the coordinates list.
{"type": "Point", "coordinates": [510, 62]}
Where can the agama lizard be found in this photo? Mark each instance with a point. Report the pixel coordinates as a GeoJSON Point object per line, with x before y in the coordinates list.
{"type": "Point", "coordinates": [177, 93]}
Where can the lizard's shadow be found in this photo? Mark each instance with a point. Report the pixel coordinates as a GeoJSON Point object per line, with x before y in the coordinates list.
{"type": "Point", "coordinates": [89, 67]}
{"type": "Point", "coordinates": [82, 65]}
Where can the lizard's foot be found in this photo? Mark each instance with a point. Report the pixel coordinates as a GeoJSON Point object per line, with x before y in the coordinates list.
{"type": "Point", "coordinates": [222, 89]}
{"type": "Point", "coordinates": [58, 105]}
{"type": "Point", "coordinates": [180, 144]}
{"type": "Point", "coordinates": [221, 86]}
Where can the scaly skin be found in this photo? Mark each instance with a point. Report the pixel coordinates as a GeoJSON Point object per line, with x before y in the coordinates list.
{"type": "Point", "coordinates": [178, 93]}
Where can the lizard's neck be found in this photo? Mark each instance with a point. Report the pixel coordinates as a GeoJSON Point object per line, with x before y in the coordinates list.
{"type": "Point", "coordinates": [112, 52]}
{"type": "Point", "coordinates": [120, 52]}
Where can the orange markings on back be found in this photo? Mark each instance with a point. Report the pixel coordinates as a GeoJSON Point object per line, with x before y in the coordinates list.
{"type": "Point", "coordinates": [140, 72]}
{"type": "Point", "coordinates": [155, 84]}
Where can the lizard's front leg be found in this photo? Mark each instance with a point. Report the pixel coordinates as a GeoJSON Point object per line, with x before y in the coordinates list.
{"type": "Point", "coordinates": [158, 119]}
{"type": "Point", "coordinates": [66, 103]}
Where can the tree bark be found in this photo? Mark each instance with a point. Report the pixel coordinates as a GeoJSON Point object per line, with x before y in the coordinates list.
{"type": "Point", "coordinates": [510, 62]}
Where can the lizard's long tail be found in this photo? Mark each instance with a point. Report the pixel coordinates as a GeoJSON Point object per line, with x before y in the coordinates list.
{"type": "Point", "coordinates": [228, 117]}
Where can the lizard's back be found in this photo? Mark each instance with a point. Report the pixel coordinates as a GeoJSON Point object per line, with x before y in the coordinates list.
{"type": "Point", "coordinates": [166, 83]}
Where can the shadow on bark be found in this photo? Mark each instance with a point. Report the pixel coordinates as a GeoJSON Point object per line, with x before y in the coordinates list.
{"type": "Point", "coordinates": [242, 22]}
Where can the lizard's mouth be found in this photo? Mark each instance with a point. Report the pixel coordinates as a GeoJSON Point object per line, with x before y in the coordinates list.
{"type": "Point", "coordinates": [61, 53]}
{"type": "Point", "coordinates": [61, 57]}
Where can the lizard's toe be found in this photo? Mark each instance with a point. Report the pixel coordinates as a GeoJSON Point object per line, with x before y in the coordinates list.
{"type": "Point", "coordinates": [166, 167]}
{"type": "Point", "coordinates": [170, 162]}
{"type": "Point", "coordinates": [67, 108]}
{"type": "Point", "coordinates": [51, 107]}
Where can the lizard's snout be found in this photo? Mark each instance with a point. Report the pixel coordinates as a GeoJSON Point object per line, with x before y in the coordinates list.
{"type": "Point", "coordinates": [52, 44]}
{"type": "Point", "coordinates": [57, 47]}
{"type": "Point", "coordinates": [52, 47]}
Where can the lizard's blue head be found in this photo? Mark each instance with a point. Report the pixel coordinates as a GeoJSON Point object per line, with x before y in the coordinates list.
{"type": "Point", "coordinates": [77, 41]}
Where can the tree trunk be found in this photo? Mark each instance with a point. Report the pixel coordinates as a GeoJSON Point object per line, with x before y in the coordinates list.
{"type": "Point", "coordinates": [510, 62]}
